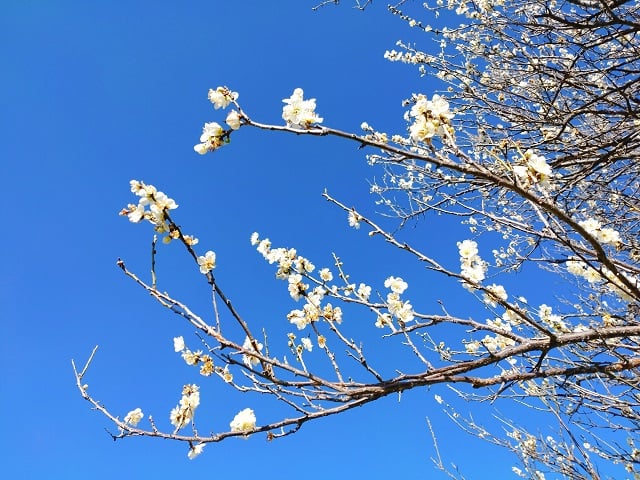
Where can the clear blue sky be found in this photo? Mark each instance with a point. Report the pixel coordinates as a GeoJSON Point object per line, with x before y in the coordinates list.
{"type": "Point", "coordinates": [95, 94]}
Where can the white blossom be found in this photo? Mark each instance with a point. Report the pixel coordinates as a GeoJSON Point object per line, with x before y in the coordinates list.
{"type": "Point", "coordinates": [133, 417]}
{"type": "Point", "coordinates": [178, 344]}
{"type": "Point", "coordinates": [396, 284]}
{"type": "Point", "coordinates": [207, 262]}
{"type": "Point", "coordinates": [250, 360]}
{"type": "Point", "coordinates": [233, 120]}
{"type": "Point", "coordinates": [306, 343]}
{"type": "Point", "coordinates": [300, 113]}
{"type": "Point", "coordinates": [195, 450]}
{"type": "Point", "coordinates": [221, 97]}
{"type": "Point", "coordinates": [244, 421]}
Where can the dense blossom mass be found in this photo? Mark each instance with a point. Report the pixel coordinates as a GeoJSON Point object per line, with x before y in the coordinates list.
{"type": "Point", "coordinates": [527, 142]}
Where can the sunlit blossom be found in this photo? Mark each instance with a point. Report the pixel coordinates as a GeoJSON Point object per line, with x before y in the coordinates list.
{"type": "Point", "coordinates": [244, 421]}
{"type": "Point", "coordinates": [221, 97]}
{"type": "Point", "coordinates": [195, 450]}
{"type": "Point", "coordinates": [300, 113]}
{"type": "Point", "coordinates": [178, 344]}
{"type": "Point", "coordinates": [133, 417]}
{"type": "Point", "coordinates": [207, 262]}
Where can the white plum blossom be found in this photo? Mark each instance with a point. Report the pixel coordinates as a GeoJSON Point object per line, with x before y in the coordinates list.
{"type": "Point", "coordinates": [467, 249]}
{"type": "Point", "coordinates": [250, 360]}
{"type": "Point", "coordinates": [255, 238]}
{"type": "Point", "coordinates": [233, 120]}
{"type": "Point", "coordinates": [210, 139]}
{"type": "Point", "coordinates": [354, 219]}
{"type": "Point", "coordinates": [207, 262]}
{"type": "Point", "coordinates": [430, 118]}
{"type": "Point", "coordinates": [494, 293]}
{"type": "Point", "coordinates": [602, 234]}
{"type": "Point", "coordinates": [383, 319]}
{"type": "Point", "coordinates": [133, 417]}
{"type": "Point", "coordinates": [158, 204]}
{"type": "Point", "coordinates": [552, 320]}
{"type": "Point", "coordinates": [471, 265]}
{"type": "Point", "coordinates": [244, 421]}
{"type": "Point", "coordinates": [183, 412]}
{"type": "Point", "coordinates": [300, 113]}
{"type": "Point", "coordinates": [195, 450]}
{"type": "Point", "coordinates": [221, 97]}
{"type": "Point", "coordinates": [178, 344]}
{"type": "Point", "coordinates": [326, 275]}
{"type": "Point", "coordinates": [396, 284]}
{"type": "Point", "coordinates": [306, 343]}
{"type": "Point", "coordinates": [535, 170]}
{"type": "Point", "coordinates": [136, 213]}
{"type": "Point", "coordinates": [363, 292]}
{"type": "Point", "coordinates": [298, 318]}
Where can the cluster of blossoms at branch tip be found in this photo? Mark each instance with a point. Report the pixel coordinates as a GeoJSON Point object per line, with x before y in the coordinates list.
{"type": "Point", "coordinates": [133, 417]}
{"type": "Point", "coordinates": [194, 358]}
{"type": "Point", "coordinates": [605, 235]}
{"type": "Point", "coordinates": [293, 267]}
{"type": "Point", "coordinates": [221, 97]}
{"type": "Point", "coordinates": [298, 112]}
{"type": "Point", "coordinates": [153, 207]}
{"type": "Point", "coordinates": [593, 276]}
{"type": "Point", "coordinates": [213, 135]}
{"type": "Point", "coordinates": [184, 411]}
{"type": "Point", "coordinates": [430, 118]}
{"type": "Point", "coordinates": [244, 421]}
{"type": "Point", "coordinates": [401, 310]}
{"type": "Point", "coordinates": [472, 266]}
{"type": "Point", "coordinates": [535, 170]}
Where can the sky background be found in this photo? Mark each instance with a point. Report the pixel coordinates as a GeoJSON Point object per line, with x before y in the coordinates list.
{"type": "Point", "coordinates": [96, 94]}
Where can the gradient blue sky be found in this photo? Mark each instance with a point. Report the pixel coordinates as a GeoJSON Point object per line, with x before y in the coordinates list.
{"type": "Point", "coordinates": [95, 94]}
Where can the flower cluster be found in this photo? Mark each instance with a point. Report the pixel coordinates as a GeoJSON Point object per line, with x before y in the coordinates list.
{"type": "Point", "coordinates": [472, 266]}
{"type": "Point", "coordinates": [152, 206]}
{"type": "Point", "coordinates": [134, 417]}
{"type": "Point", "coordinates": [183, 412]}
{"type": "Point", "coordinates": [194, 358]}
{"type": "Point", "coordinates": [402, 310]}
{"type": "Point", "coordinates": [493, 294]}
{"type": "Point", "coordinates": [292, 267]}
{"type": "Point", "coordinates": [492, 343]}
{"type": "Point", "coordinates": [552, 320]}
{"type": "Point", "coordinates": [300, 113]}
{"type": "Point", "coordinates": [605, 235]}
{"type": "Point", "coordinates": [430, 118]}
{"type": "Point", "coordinates": [221, 97]}
{"type": "Point", "coordinates": [213, 135]}
{"type": "Point", "coordinates": [591, 275]}
{"type": "Point", "coordinates": [535, 169]}
{"type": "Point", "coordinates": [298, 349]}
{"type": "Point", "coordinates": [244, 421]}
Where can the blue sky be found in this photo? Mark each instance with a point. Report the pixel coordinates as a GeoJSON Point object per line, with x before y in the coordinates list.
{"type": "Point", "coordinates": [96, 94]}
